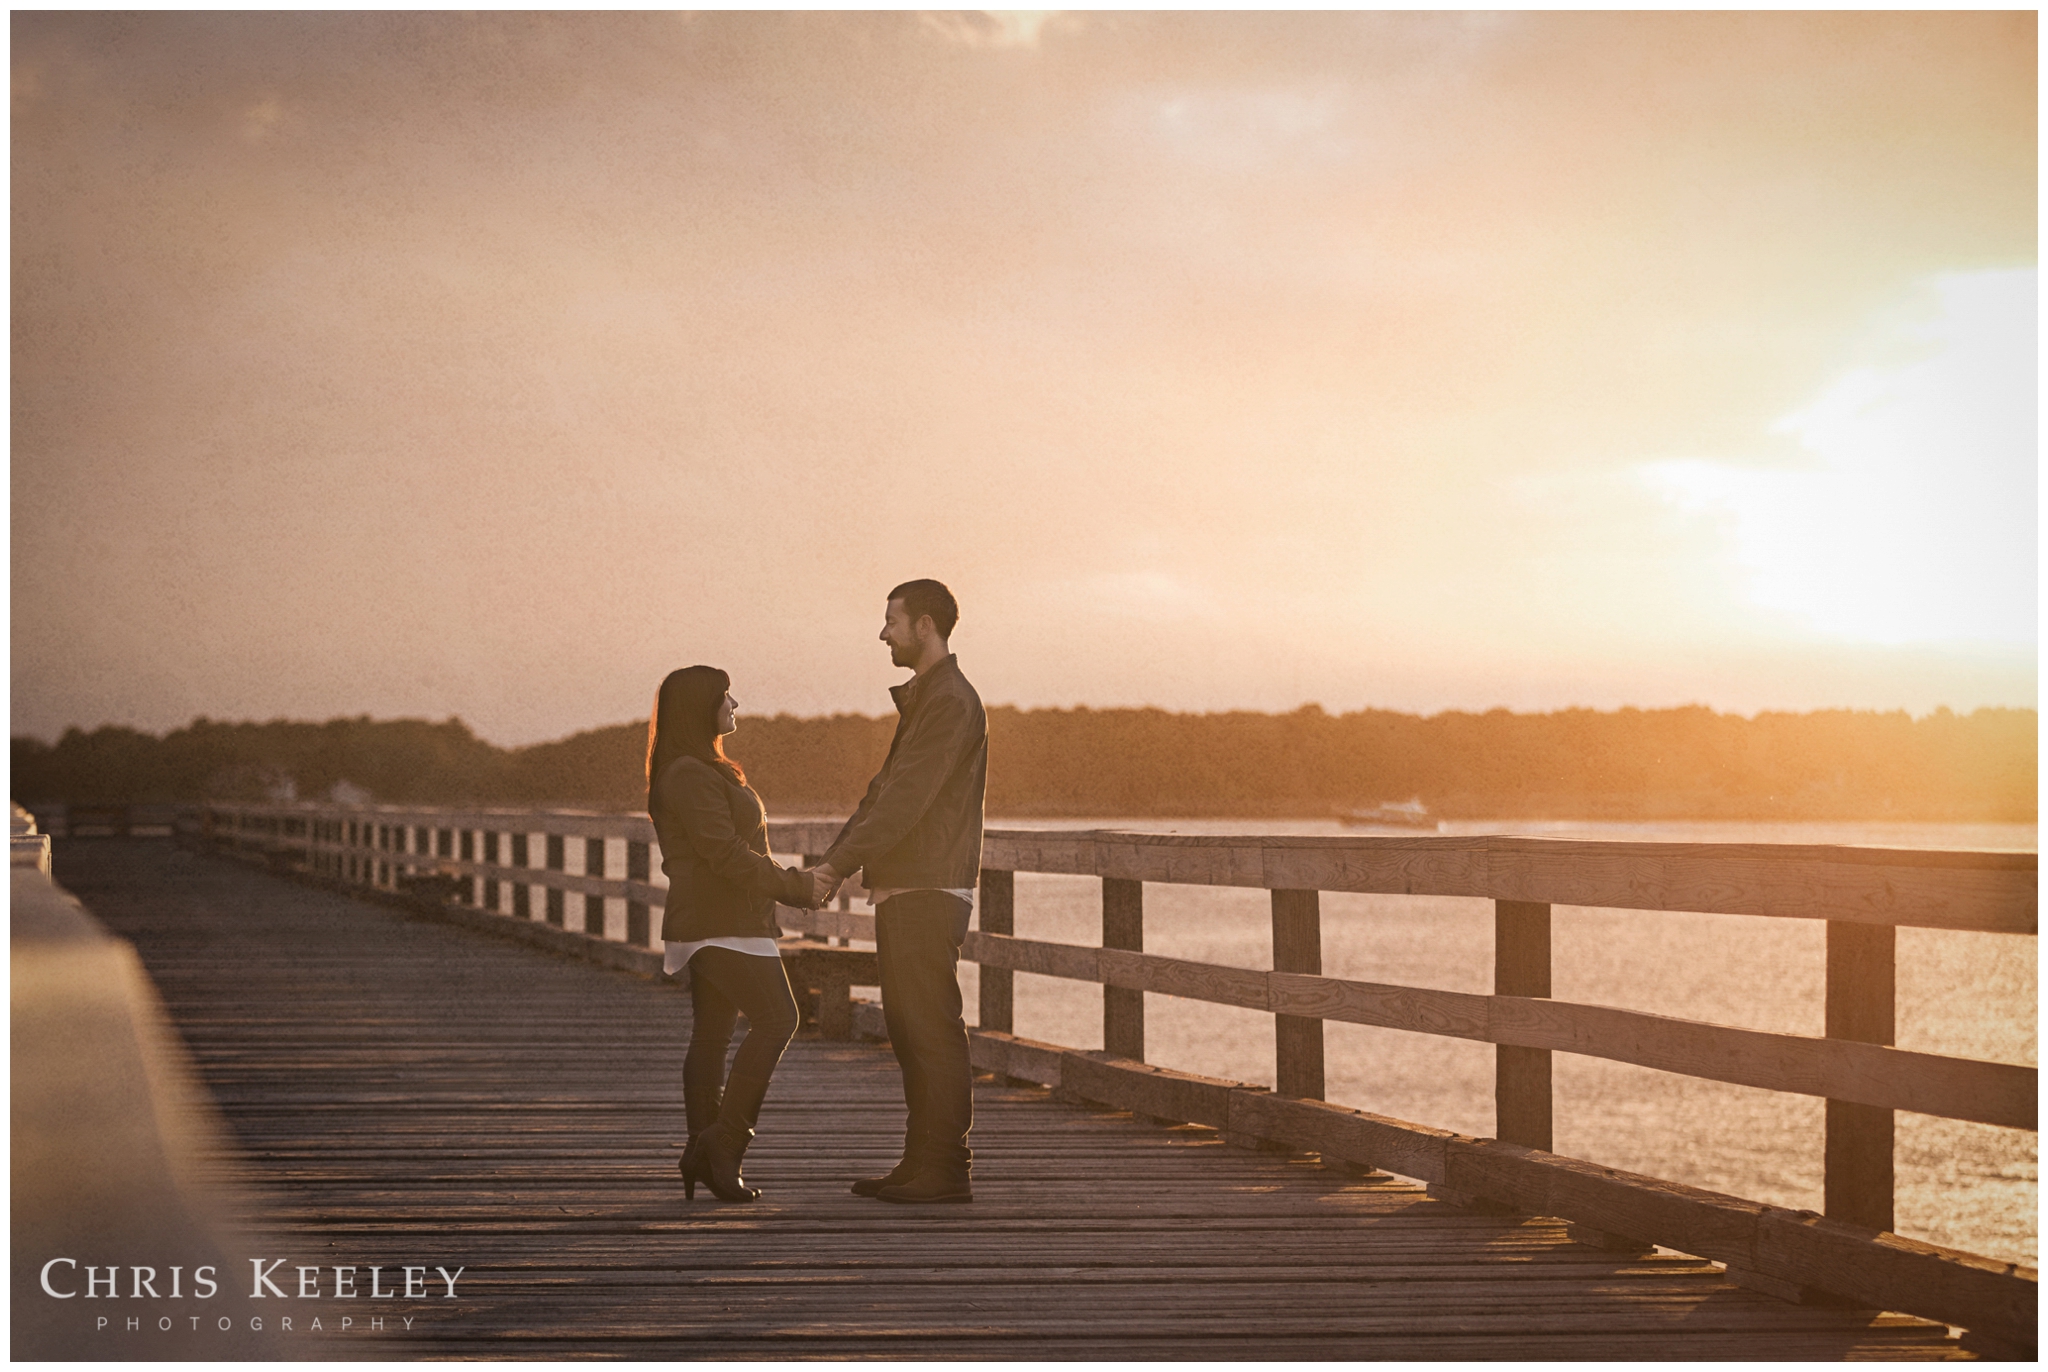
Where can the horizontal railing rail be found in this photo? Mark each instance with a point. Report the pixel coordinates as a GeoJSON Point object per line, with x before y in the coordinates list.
{"type": "Point", "coordinates": [1870, 1074]}
{"type": "Point", "coordinates": [489, 858]}
{"type": "Point", "coordinates": [1992, 892]}
{"type": "Point", "coordinates": [1989, 892]}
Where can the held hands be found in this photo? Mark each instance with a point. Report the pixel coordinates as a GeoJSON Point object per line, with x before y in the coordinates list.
{"type": "Point", "coordinates": [824, 882]}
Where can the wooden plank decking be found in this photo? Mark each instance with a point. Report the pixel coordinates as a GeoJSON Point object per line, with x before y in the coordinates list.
{"type": "Point", "coordinates": [405, 1092]}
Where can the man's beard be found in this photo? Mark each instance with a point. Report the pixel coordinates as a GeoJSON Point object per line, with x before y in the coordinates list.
{"type": "Point", "coordinates": [904, 655]}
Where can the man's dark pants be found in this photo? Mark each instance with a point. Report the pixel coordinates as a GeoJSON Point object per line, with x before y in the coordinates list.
{"type": "Point", "coordinates": [917, 940]}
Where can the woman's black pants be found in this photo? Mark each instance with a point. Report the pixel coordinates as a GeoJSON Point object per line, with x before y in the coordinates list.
{"type": "Point", "coordinates": [725, 985]}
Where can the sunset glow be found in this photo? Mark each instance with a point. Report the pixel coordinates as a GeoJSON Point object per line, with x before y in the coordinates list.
{"type": "Point", "coordinates": [1906, 515]}
{"type": "Point", "coordinates": [493, 365]}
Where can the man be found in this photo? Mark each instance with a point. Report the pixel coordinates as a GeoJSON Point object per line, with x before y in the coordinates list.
{"type": "Point", "coordinates": [917, 835]}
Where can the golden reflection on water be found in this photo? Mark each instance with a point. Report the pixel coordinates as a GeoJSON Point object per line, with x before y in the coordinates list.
{"type": "Point", "coordinates": [1962, 1184]}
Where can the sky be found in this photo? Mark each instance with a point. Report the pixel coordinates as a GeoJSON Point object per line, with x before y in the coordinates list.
{"type": "Point", "coordinates": [493, 365]}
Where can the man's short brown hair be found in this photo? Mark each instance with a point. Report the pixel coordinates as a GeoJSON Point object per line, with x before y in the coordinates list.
{"type": "Point", "coordinates": [928, 597]}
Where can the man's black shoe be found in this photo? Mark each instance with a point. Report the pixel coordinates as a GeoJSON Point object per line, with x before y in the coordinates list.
{"type": "Point", "coordinates": [872, 1186]}
{"type": "Point", "coordinates": [929, 1188]}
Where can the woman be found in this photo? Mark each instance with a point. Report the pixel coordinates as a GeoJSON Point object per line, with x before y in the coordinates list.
{"type": "Point", "coordinates": [719, 921]}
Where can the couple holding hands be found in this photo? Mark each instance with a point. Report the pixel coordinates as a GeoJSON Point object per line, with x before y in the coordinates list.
{"type": "Point", "coordinates": [917, 835]}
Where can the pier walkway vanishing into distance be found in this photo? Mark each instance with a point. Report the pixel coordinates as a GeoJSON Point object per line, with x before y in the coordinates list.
{"type": "Point", "coordinates": [428, 1051]}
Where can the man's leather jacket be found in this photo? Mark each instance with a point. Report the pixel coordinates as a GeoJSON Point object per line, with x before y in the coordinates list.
{"type": "Point", "coordinates": [919, 825]}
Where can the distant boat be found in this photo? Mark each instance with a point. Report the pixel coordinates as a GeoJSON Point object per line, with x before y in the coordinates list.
{"type": "Point", "coordinates": [1405, 814]}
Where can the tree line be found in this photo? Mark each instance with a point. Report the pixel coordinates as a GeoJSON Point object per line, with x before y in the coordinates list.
{"type": "Point", "coordinates": [1687, 763]}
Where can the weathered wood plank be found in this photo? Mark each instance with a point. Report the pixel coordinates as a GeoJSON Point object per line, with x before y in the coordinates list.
{"type": "Point", "coordinates": [1521, 1074]}
{"type": "Point", "coordinates": [1882, 1077]}
{"type": "Point", "coordinates": [1297, 1039]}
{"type": "Point", "coordinates": [394, 1078]}
{"type": "Point", "coordinates": [611, 888]}
{"type": "Point", "coordinates": [1862, 1265]}
{"type": "Point", "coordinates": [1033, 955]}
{"type": "Point", "coordinates": [1352, 1135]}
{"type": "Point", "coordinates": [1135, 857]}
{"type": "Point", "coordinates": [1393, 867]}
{"type": "Point", "coordinates": [1123, 936]}
{"type": "Point", "coordinates": [1894, 1272]}
{"type": "Point", "coordinates": [1010, 1056]}
{"type": "Point", "coordinates": [997, 914]}
{"type": "Point", "coordinates": [1204, 981]}
{"type": "Point", "coordinates": [1947, 890]}
{"type": "Point", "coordinates": [1039, 850]}
{"type": "Point", "coordinates": [1449, 1014]}
{"type": "Point", "coordinates": [1987, 891]}
{"type": "Point", "coordinates": [1889, 1078]}
{"type": "Point", "coordinates": [1154, 1091]}
{"type": "Point", "coordinates": [852, 924]}
{"type": "Point", "coordinates": [1809, 881]}
{"type": "Point", "coordinates": [1860, 1007]}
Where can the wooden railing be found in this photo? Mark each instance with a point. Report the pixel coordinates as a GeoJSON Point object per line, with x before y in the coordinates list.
{"type": "Point", "coordinates": [114, 1139]}
{"type": "Point", "coordinates": [487, 858]}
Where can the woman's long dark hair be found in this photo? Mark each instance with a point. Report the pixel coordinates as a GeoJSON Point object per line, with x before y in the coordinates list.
{"type": "Point", "coordinates": [685, 724]}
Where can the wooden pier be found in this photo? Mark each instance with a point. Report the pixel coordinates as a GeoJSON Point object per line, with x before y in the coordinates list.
{"type": "Point", "coordinates": [406, 1089]}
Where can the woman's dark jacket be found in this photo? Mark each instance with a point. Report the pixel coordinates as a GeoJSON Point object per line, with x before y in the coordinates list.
{"type": "Point", "coordinates": [714, 847]}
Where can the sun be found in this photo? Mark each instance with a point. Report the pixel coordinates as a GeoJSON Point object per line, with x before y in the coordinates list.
{"type": "Point", "coordinates": [1912, 519]}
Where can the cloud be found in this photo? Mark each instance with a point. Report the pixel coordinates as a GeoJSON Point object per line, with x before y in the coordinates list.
{"type": "Point", "coordinates": [435, 346]}
{"type": "Point", "coordinates": [261, 120]}
{"type": "Point", "coordinates": [992, 28]}
{"type": "Point", "coordinates": [1912, 517]}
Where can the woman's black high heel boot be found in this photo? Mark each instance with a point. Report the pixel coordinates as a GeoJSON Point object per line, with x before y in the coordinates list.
{"type": "Point", "coordinates": [725, 1143]}
{"type": "Point", "coordinates": [702, 1115]}
{"type": "Point", "coordinates": [691, 1165]}
{"type": "Point", "coordinates": [718, 1161]}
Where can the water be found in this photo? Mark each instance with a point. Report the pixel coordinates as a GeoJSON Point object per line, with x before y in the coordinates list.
{"type": "Point", "coordinates": [1965, 1185]}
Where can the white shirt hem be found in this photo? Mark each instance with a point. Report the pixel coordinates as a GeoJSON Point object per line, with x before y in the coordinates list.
{"type": "Point", "coordinates": [875, 898]}
{"type": "Point", "coordinates": [678, 955]}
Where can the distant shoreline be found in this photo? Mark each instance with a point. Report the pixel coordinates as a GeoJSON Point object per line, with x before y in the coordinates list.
{"type": "Point", "coordinates": [1688, 765]}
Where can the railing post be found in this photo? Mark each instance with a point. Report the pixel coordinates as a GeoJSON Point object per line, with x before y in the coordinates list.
{"type": "Point", "coordinates": [468, 849]}
{"type": "Point", "coordinates": [490, 858]}
{"type": "Point", "coordinates": [1123, 926]}
{"type": "Point", "coordinates": [1298, 947]}
{"type": "Point", "coordinates": [806, 861]}
{"type": "Point", "coordinates": [1862, 965]}
{"type": "Point", "coordinates": [1521, 1076]}
{"type": "Point", "coordinates": [522, 894]}
{"type": "Point", "coordinates": [593, 906]}
{"type": "Point", "coordinates": [557, 861]}
{"type": "Point", "coordinates": [845, 901]}
{"type": "Point", "coordinates": [998, 916]}
{"type": "Point", "coordinates": [637, 869]}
